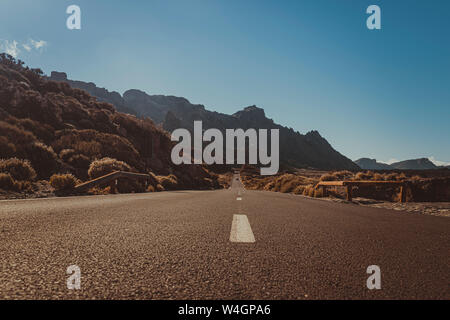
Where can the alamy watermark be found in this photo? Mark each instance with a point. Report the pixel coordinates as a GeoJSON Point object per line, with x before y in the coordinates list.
{"type": "Point", "coordinates": [213, 153]}
{"type": "Point", "coordinates": [74, 280]}
{"type": "Point", "coordinates": [374, 280]}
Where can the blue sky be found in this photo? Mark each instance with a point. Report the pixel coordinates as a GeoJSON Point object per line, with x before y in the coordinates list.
{"type": "Point", "coordinates": [312, 65]}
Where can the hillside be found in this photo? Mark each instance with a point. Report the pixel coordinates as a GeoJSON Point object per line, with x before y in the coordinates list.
{"type": "Point", "coordinates": [59, 129]}
{"type": "Point", "coordinates": [297, 150]}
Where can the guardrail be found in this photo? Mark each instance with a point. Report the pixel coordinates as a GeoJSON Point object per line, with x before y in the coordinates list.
{"type": "Point", "coordinates": [350, 184]}
{"type": "Point", "coordinates": [112, 178]}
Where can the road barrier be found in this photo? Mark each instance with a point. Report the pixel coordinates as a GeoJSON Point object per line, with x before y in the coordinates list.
{"type": "Point", "coordinates": [112, 179]}
{"type": "Point", "coordinates": [350, 184]}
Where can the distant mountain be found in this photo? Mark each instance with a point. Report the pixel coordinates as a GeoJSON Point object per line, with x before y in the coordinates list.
{"type": "Point", "coordinates": [372, 164]}
{"type": "Point", "coordinates": [414, 164]}
{"type": "Point", "coordinates": [297, 150]}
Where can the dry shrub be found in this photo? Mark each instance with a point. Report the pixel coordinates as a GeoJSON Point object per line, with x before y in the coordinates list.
{"type": "Point", "coordinates": [153, 179]}
{"type": "Point", "coordinates": [79, 161]}
{"type": "Point", "coordinates": [269, 186]}
{"type": "Point", "coordinates": [368, 175]}
{"type": "Point", "coordinates": [299, 189]}
{"type": "Point", "coordinates": [169, 182]}
{"type": "Point", "coordinates": [105, 166]}
{"type": "Point", "coordinates": [343, 175]}
{"type": "Point", "coordinates": [16, 134]}
{"type": "Point", "coordinates": [328, 177]}
{"type": "Point", "coordinates": [288, 186]}
{"type": "Point", "coordinates": [159, 188]}
{"type": "Point", "coordinates": [151, 188]}
{"type": "Point", "coordinates": [43, 159]}
{"type": "Point", "coordinates": [401, 177]}
{"type": "Point", "coordinates": [94, 144]}
{"type": "Point", "coordinates": [6, 181]}
{"type": "Point", "coordinates": [378, 177]}
{"type": "Point", "coordinates": [9, 184]}
{"type": "Point", "coordinates": [24, 186]}
{"type": "Point", "coordinates": [309, 190]}
{"type": "Point", "coordinates": [63, 182]}
{"type": "Point", "coordinates": [19, 169]}
{"type": "Point", "coordinates": [66, 154]}
{"type": "Point", "coordinates": [395, 176]}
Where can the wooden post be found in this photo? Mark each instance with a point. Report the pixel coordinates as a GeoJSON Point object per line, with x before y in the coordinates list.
{"type": "Point", "coordinates": [402, 193]}
{"type": "Point", "coordinates": [349, 193]}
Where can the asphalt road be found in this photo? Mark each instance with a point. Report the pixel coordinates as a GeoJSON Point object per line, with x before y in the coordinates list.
{"type": "Point", "coordinates": [209, 245]}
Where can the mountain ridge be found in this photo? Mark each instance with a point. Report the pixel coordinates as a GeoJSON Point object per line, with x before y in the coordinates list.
{"type": "Point", "coordinates": [308, 150]}
{"type": "Point", "coordinates": [411, 164]}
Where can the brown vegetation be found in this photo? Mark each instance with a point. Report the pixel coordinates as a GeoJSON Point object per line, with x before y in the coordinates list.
{"type": "Point", "coordinates": [58, 129]}
{"type": "Point", "coordinates": [63, 182]}
{"type": "Point", "coordinates": [419, 185]}
{"type": "Point", "coordinates": [19, 169]}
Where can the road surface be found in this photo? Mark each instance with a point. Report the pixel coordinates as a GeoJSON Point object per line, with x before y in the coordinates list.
{"type": "Point", "coordinates": [210, 245]}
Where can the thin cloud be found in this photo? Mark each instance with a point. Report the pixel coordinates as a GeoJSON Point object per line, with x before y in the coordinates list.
{"type": "Point", "coordinates": [10, 47]}
{"type": "Point", "coordinates": [13, 47]}
{"type": "Point", "coordinates": [38, 44]}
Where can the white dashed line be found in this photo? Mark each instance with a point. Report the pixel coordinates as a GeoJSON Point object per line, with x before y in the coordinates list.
{"type": "Point", "coordinates": [241, 230]}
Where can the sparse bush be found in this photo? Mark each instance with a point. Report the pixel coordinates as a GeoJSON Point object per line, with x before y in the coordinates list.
{"type": "Point", "coordinates": [364, 175]}
{"type": "Point", "coordinates": [309, 191]}
{"type": "Point", "coordinates": [43, 159]}
{"type": "Point", "coordinates": [63, 182]}
{"type": "Point", "coordinates": [169, 182]}
{"type": "Point", "coordinates": [24, 186]}
{"type": "Point", "coordinates": [66, 154]}
{"type": "Point", "coordinates": [159, 188]}
{"type": "Point", "coordinates": [328, 177]}
{"type": "Point", "coordinates": [378, 177]}
{"type": "Point", "coordinates": [343, 175]}
{"type": "Point", "coordinates": [6, 181]}
{"type": "Point", "coordinates": [151, 188]}
{"type": "Point", "coordinates": [79, 161]}
{"type": "Point", "coordinates": [104, 166]}
{"type": "Point", "coordinates": [20, 170]}
{"type": "Point", "coordinates": [299, 189]}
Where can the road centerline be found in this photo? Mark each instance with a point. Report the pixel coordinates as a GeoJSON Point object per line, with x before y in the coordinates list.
{"type": "Point", "coordinates": [241, 230]}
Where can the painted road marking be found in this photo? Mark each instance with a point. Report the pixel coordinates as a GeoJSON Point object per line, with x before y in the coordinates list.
{"type": "Point", "coordinates": [241, 230]}
{"type": "Point", "coordinates": [238, 198]}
